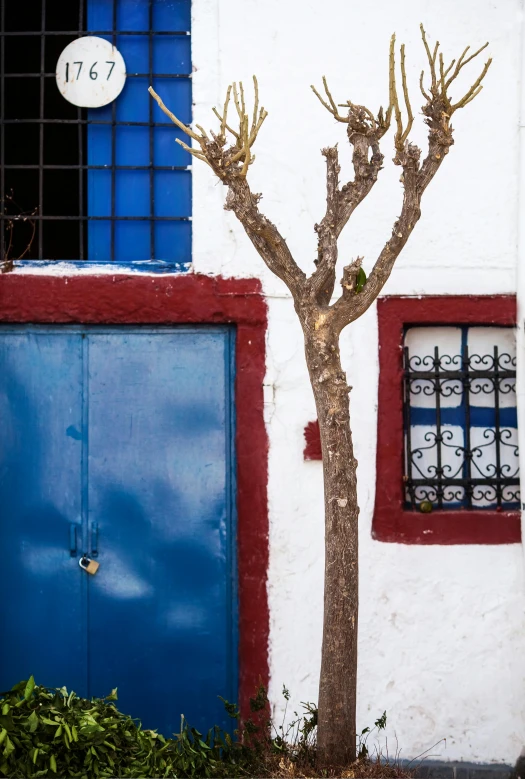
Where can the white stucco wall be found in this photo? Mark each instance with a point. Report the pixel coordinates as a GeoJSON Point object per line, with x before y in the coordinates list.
{"type": "Point", "coordinates": [441, 628]}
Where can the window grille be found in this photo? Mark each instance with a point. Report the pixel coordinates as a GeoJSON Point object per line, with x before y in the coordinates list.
{"type": "Point", "coordinates": [105, 184]}
{"type": "Point", "coordinates": [460, 418]}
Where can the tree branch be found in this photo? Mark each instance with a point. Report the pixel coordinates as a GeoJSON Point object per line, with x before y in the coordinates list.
{"type": "Point", "coordinates": [350, 307]}
{"type": "Point", "coordinates": [264, 235]}
{"type": "Point", "coordinates": [230, 162]}
{"type": "Point", "coordinates": [438, 109]}
{"type": "Point", "coordinates": [331, 106]}
{"type": "Point", "coordinates": [364, 133]}
{"type": "Point", "coordinates": [323, 280]}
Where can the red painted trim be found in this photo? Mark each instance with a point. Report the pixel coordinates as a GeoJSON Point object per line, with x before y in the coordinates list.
{"type": "Point", "coordinates": [391, 522]}
{"type": "Point", "coordinates": [137, 299]}
{"type": "Point", "coordinates": [312, 437]}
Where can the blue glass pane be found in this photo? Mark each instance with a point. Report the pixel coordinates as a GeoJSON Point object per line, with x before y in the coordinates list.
{"type": "Point", "coordinates": [173, 241]}
{"type": "Point", "coordinates": [176, 94]}
{"type": "Point", "coordinates": [173, 193]}
{"type": "Point", "coordinates": [135, 50]}
{"type": "Point", "coordinates": [132, 14]}
{"type": "Point", "coordinates": [132, 194]}
{"type": "Point", "coordinates": [99, 144]}
{"type": "Point", "coordinates": [132, 145]}
{"type": "Point", "coordinates": [133, 102]}
{"type": "Point", "coordinates": [99, 241]}
{"type": "Point", "coordinates": [171, 14]}
{"type": "Point", "coordinates": [172, 54]}
{"type": "Point", "coordinates": [166, 151]}
{"type": "Point", "coordinates": [99, 193]}
{"type": "Point", "coordinates": [103, 114]}
{"type": "Point", "coordinates": [99, 15]}
{"type": "Point", "coordinates": [132, 241]}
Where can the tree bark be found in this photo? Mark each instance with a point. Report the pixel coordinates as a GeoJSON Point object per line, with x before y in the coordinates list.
{"type": "Point", "coordinates": [336, 740]}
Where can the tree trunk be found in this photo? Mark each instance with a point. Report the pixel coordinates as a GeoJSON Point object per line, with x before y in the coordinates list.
{"type": "Point", "coordinates": [336, 735]}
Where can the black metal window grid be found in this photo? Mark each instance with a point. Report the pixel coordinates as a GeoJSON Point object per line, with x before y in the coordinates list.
{"type": "Point", "coordinates": [43, 144]}
{"type": "Point", "coordinates": [460, 439]}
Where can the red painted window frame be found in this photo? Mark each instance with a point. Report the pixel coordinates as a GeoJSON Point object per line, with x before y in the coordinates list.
{"type": "Point", "coordinates": [186, 299]}
{"type": "Point", "coordinates": [391, 522]}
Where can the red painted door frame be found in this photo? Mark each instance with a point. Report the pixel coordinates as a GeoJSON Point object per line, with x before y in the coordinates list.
{"type": "Point", "coordinates": [186, 299]}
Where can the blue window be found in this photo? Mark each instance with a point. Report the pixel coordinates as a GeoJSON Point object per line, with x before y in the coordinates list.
{"type": "Point", "coordinates": [139, 186]}
{"type": "Point", "coordinates": [102, 184]}
{"type": "Point", "coordinates": [461, 442]}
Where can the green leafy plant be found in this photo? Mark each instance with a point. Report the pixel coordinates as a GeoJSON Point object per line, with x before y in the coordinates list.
{"type": "Point", "coordinates": [50, 732]}
{"type": "Point", "coordinates": [53, 732]}
{"type": "Point", "coordinates": [362, 748]}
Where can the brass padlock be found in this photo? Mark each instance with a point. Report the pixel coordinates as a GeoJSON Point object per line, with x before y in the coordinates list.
{"type": "Point", "coordinates": [91, 566]}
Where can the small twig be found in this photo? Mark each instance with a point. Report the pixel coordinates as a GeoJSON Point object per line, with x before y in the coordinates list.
{"type": "Point", "coordinates": [243, 107]}
{"type": "Point", "coordinates": [441, 72]}
{"type": "Point", "coordinates": [246, 142]}
{"type": "Point", "coordinates": [329, 96]}
{"type": "Point", "coordinates": [475, 89]}
{"type": "Point", "coordinates": [172, 116]}
{"type": "Point", "coordinates": [331, 107]}
{"type": "Point", "coordinates": [262, 116]}
{"type": "Point", "coordinates": [225, 114]}
{"type": "Point", "coordinates": [422, 88]}
{"type": "Point", "coordinates": [237, 104]}
{"type": "Point", "coordinates": [255, 104]}
{"type": "Point", "coordinates": [394, 100]}
{"type": "Point", "coordinates": [447, 71]}
{"type": "Point", "coordinates": [405, 94]}
{"type": "Point", "coordinates": [30, 242]}
{"type": "Point", "coordinates": [440, 86]}
{"type": "Point", "coordinates": [431, 59]}
{"type": "Point", "coordinates": [194, 152]}
{"type": "Point", "coordinates": [461, 63]}
{"type": "Point", "coordinates": [222, 120]}
{"type": "Point", "coordinates": [8, 260]}
{"type": "Point", "coordinates": [10, 228]}
{"type": "Point", "coordinates": [202, 131]}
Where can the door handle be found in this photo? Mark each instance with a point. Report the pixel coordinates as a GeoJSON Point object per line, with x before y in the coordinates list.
{"type": "Point", "coordinates": [73, 539]}
{"type": "Point", "coordinates": [94, 539]}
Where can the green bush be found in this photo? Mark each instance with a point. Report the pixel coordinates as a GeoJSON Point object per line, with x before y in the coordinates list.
{"type": "Point", "coordinates": [53, 732]}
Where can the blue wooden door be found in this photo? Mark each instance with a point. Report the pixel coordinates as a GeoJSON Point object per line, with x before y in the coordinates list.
{"type": "Point", "coordinates": [123, 438]}
{"type": "Point", "coordinates": [42, 597]}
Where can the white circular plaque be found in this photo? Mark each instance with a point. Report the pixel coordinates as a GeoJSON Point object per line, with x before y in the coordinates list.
{"type": "Point", "coordinates": [90, 72]}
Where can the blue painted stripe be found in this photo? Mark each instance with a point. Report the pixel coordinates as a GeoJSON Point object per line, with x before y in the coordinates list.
{"type": "Point", "coordinates": [480, 416]}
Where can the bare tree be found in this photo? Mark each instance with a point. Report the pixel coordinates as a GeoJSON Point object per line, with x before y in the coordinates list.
{"type": "Point", "coordinates": [322, 321]}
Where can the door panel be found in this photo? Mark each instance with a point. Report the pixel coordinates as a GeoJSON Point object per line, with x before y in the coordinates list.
{"type": "Point", "coordinates": [159, 475]}
{"type": "Point", "coordinates": [42, 615]}
{"type": "Point", "coordinates": [126, 432]}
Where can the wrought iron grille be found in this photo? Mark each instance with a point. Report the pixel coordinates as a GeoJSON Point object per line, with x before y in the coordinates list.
{"type": "Point", "coordinates": [460, 430]}
{"type": "Point", "coordinates": [48, 158]}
